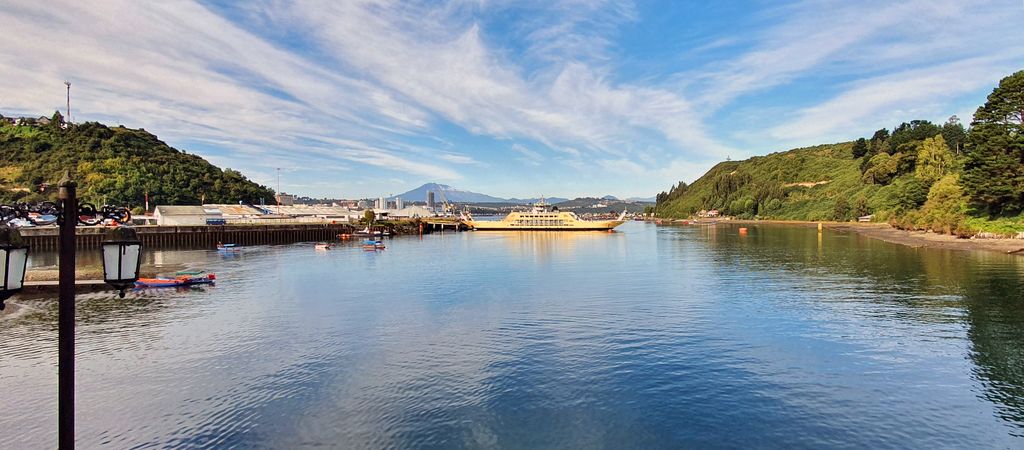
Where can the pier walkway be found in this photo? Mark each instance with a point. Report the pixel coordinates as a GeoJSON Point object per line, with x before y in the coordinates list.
{"type": "Point", "coordinates": [206, 236]}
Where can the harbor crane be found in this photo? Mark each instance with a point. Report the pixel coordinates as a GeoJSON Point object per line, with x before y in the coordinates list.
{"type": "Point", "coordinates": [448, 207]}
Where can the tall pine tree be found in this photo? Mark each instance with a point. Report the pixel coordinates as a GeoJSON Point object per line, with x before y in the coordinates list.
{"type": "Point", "coordinates": [994, 169]}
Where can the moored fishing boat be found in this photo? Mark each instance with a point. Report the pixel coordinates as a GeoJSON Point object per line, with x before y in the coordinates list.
{"type": "Point", "coordinates": [544, 217]}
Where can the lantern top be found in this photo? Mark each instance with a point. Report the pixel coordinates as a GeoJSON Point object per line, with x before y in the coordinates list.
{"type": "Point", "coordinates": [66, 181]}
{"type": "Point", "coordinates": [122, 234]}
{"type": "Point", "coordinates": [11, 237]}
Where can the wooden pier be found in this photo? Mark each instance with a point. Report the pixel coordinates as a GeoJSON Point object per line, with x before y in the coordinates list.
{"type": "Point", "coordinates": [442, 224]}
{"type": "Point", "coordinates": [188, 237]}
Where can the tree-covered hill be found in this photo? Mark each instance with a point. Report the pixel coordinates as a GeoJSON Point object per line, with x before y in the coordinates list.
{"type": "Point", "coordinates": [589, 205]}
{"type": "Point", "coordinates": [797, 184]}
{"type": "Point", "coordinates": [113, 165]}
{"type": "Point", "coordinates": [922, 176]}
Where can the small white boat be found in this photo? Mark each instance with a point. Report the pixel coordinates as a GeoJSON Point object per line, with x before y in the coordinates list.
{"type": "Point", "coordinates": [366, 232]}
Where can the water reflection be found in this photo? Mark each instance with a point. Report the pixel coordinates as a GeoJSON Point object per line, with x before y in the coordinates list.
{"type": "Point", "coordinates": [926, 285]}
{"type": "Point", "coordinates": [648, 337]}
{"type": "Point", "coordinates": [543, 246]}
{"type": "Point", "coordinates": [94, 258]}
{"type": "Point", "coordinates": [994, 296]}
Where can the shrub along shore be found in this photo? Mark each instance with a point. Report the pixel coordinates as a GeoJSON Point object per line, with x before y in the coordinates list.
{"type": "Point", "coordinates": [910, 238]}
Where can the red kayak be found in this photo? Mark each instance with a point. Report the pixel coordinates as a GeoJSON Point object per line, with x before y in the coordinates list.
{"type": "Point", "coordinates": [175, 282]}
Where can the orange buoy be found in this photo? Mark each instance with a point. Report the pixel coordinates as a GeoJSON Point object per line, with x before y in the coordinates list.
{"type": "Point", "coordinates": [743, 230]}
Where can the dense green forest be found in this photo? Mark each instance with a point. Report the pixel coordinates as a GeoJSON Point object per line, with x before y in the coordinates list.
{"type": "Point", "coordinates": [112, 165]}
{"type": "Point", "coordinates": [945, 178]}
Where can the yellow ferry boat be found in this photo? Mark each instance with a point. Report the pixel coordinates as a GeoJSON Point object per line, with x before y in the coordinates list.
{"type": "Point", "coordinates": [544, 217]}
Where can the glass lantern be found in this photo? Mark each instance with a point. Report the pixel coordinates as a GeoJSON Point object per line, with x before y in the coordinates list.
{"type": "Point", "coordinates": [13, 260]}
{"type": "Point", "coordinates": [122, 251]}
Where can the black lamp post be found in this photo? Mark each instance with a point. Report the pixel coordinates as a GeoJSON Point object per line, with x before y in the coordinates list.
{"type": "Point", "coordinates": [121, 258]}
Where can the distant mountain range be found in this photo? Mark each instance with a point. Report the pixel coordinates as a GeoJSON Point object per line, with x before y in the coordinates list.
{"type": "Point", "coordinates": [460, 196]}
{"type": "Point", "coordinates": [604, 204]}
{"type": "Point", "coordinates": [630, 199]}
{"type": "Point", "coordinates": [456, 195]}
{"type": "Point", "coordinates": [641, 199]}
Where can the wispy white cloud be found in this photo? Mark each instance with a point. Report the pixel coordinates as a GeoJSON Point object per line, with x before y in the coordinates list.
{"type": "Point", "coordinates": [574, 30]}
{"type": "Point", "coordinates": [459, 159]}
{"type": "Point", "coordinates": [528, 156]}
{"type": "Point", "coordinates": [859, 66]}
{"type": "Point", "coordinates": [373, 89]}
{"type": "Point", "coordinates": [820, 38]}
{"type": "Point", "coordinates": [450, 70]}
{"type": "Point", "coordinates": [896, 97]}
{"type": "Point", "coordinates": [622, 166]}
{"type": "Point", "coordinates": [195, 77]}
{"type": "Point", "coordinates": [363, 153]}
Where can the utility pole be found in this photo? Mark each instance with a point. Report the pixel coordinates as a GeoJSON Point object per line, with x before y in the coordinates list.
{"type": "Point", "coordinates": [68, 84]}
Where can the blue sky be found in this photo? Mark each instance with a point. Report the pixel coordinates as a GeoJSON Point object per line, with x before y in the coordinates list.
{"type": "Point", "coordinates": [510, 98]}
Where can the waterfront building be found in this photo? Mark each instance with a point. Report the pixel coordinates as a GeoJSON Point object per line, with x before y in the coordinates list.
{"type": "Point", "coordinates": [399, 204]}
{"type": "Point", "coordinates": [186, 215]}
{"type": "Point", "coordinates": [411, 212]}
{"type": "Point", "coordinates": [430, 199]}
{"type": "Point", "coordinates": [241, 213]}
{"type": "Point", "coordinates": [234, 212]}
{"type": "Point", "coordinates": [284, 199]}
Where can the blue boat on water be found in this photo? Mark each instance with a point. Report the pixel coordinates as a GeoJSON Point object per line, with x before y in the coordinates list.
{"type": "Point", "coordinates": [370, 245]}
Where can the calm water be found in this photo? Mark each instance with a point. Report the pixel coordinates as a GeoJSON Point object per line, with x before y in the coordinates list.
{"type": "Point", "coordinates": [652, 337]}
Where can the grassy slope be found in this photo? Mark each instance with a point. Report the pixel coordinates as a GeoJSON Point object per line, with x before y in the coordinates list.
{"type": "Point", "coordinates": [832, 163]}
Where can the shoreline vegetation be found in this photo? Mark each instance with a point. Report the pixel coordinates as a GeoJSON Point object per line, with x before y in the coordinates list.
{"type": "Point", "coordinates": [910, 238]}
{"type": "Point", "coordinates": [922, 177]}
